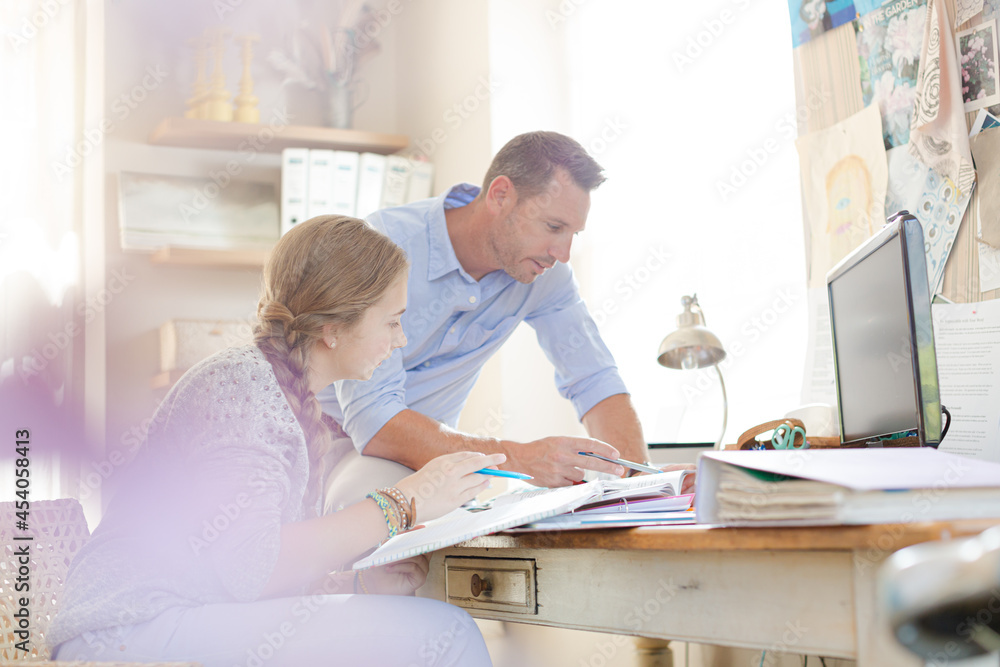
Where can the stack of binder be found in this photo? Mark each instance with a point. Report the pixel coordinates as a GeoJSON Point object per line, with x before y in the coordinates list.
{"type": "Point", "coordinates": [320, 182]}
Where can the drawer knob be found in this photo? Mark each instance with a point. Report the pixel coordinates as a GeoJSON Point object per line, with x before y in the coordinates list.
{"type": "Point", "coordinates": [480, 585]}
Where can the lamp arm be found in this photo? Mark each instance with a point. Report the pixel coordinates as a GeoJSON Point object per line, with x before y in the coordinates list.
{"type": "Point", "coordinates": [725, 409]}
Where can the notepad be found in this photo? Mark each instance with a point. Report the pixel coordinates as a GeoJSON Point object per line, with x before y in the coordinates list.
{"type": "Point", "coordinates": [461, 525]}
{"type": "Point", "coordinates": [514, 510]}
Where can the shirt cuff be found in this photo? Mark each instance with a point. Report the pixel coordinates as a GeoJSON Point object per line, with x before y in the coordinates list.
{"type": "Point", "coordinates": [362, 428]}
{"type": "Point", "coordinates": [595, 389]}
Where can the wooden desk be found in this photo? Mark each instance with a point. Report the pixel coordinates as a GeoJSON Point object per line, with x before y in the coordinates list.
{"type": "Point", "coordinates": [797, 590]}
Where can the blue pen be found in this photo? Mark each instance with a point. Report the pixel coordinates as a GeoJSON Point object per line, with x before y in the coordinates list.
{"type": "Point", "coordinates": [503, 473]}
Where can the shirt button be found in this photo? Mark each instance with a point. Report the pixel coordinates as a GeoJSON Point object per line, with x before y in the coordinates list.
{"type": "Point", "coordinates": [452, 330]}
{"type": "Point", "coordinates": [472, 299]}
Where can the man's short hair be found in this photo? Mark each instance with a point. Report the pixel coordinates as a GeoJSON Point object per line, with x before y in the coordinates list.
{"type": "Point", "coordinates": [530, 160]}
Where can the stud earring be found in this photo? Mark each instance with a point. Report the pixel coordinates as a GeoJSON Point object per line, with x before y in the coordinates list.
{"type": "Point", "coordinates": [331, 344]}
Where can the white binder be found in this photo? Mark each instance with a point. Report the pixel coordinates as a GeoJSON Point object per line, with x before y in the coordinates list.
{"type": "Point", "coordinates": [345, 183]}
{"type": "Point", "coordinates": [294, 187]}
{"type": "Point", "coordinates": [321, 167]}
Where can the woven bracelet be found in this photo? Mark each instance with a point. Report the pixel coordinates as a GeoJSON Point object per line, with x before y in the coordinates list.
{"type": "Point", "coordinates": [387, 511]}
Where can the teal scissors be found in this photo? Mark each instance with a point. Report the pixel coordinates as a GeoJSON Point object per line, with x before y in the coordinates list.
{"type": "Point", "coordinates": [785, 435]}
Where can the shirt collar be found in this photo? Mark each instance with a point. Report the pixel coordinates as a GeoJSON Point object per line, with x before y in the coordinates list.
{"type": "Point", "coordinates": [441, 253]}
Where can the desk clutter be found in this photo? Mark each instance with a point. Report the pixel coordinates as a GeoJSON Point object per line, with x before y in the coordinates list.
{"type": "Point", "coordinates": [640, 500]}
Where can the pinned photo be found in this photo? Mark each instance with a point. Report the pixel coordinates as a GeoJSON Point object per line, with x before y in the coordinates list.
{"type": "Point", "coordinates": [977, 53]}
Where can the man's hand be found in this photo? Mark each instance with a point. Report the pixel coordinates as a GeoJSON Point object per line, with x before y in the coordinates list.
{"type": "Point", "coordinates": [556, 461]}
{"type": "Point", "coordinates": [400, 578]}
{"type": "Point", "coordinates": [688, 480]}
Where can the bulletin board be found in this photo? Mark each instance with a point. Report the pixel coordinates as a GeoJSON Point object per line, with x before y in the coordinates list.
{"type": "Point", "coordinates": [833, 80]}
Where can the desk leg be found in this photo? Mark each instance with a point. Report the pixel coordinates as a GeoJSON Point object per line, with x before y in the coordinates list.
{"type": "Point", "coordinates": [653, 652]}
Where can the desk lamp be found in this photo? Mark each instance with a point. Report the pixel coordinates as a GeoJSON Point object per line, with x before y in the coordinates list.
{"type": "Point", "coordinates": [693, 346]}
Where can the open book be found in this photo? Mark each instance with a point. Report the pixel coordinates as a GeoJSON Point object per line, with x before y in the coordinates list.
{"type": "Point", "coordinates": [844, 486]}
{"type": "Point", "coordinates": [514, 510]}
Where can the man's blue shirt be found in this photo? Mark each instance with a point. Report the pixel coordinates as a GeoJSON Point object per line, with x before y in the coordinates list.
{"type": "Point", "coordinates": [454, 324]}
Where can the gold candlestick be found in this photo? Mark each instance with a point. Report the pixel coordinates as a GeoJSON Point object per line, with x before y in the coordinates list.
{"type": "Point", "coordinates": [246, 102]}
{"type": "Point", "coordinates": [219, 106]}
{"type": "Point", "coordinates": [197, 103]}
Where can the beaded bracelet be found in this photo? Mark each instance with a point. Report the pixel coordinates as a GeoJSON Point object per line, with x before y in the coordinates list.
{"type": "Point", "coordinates": [404, 507]}
{"type": "Point", "coordinates": [388, 512]}
{"type": "Point", "coordinates": [407, 507]}
{"type": "Point", "coordinates": [396, 511]}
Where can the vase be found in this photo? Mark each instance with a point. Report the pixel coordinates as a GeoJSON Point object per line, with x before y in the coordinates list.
{"type": "Point", "coordinates": [341, 101]}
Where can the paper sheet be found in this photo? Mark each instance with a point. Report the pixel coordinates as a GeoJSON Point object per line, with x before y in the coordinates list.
{"type": "Point", "coordinates": [989, 257]}
{"type": "Point", "coordinates": [844, 181]}
{"type": "Point", "coordinates": [819, 384]}
{"type": "Point", "coordinates": [938, 133]}
{"type": "Point", "coordinates": [889, 43]}
{"type": "Point", "coordinates": [967, 342]}
{"type": "Point", "coordinates": [934, 200]}
{"type": "Point", "coordinates": [984, 121]}
{"type": "Point", "coordinates": [811, 18]}
{"type": "Point", "coordinates": [986, 152]}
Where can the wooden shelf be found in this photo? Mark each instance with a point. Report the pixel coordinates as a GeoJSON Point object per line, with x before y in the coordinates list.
{"type": "Point", "coordinates": [165, 380]}
{"type": "Point", "coordinates": [227, 259]}
{"type": "Point", "coordinates": [232, 136]}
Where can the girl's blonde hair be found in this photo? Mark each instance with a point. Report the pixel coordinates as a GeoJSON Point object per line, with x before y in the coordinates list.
{"type": "Point", "coordinates": [327, 270]}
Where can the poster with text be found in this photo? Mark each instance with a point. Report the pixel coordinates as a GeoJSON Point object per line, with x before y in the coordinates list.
{"type": "Point", "coordinates": [889, 41]}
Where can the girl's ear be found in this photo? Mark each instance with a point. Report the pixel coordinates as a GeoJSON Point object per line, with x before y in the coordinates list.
{"type": "Point", "coordinates": [330, 336]}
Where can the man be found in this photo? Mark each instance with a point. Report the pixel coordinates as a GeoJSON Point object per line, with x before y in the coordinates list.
{"type": "Point", "coordinates": [482, 261]}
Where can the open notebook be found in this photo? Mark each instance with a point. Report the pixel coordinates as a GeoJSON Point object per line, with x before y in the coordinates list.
{"type": "Point", "coordinates": [511, 511]}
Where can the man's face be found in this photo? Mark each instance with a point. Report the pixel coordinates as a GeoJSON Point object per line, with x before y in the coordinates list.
{"type": "Point", "coordinates": [539, 231]}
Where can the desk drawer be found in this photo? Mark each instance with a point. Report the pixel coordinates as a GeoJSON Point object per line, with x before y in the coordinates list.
{"type": "Point", "coordinates": [496, 584]}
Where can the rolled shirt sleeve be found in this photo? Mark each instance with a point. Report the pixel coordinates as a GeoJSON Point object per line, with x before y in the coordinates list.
{"type": "Point", "coordinates": [365, 406]}
{"type": "Point", "coordinates": [586, 373]}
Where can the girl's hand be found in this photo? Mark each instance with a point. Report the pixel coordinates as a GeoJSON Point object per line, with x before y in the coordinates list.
{"type": "Point", "coordinates": [400, 578]}
{"type": "Point", "coordinates": [447, 481]}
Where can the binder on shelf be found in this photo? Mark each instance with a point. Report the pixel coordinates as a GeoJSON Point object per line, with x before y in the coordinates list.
{"type": "Point", "coordinates": [397, 175]}
{"type": "Point", "coordinates": [421, 181]}
{"type": "Point", "coordinates": [294, 187]}
{"type": "Point", "coordinates": [321, 178]}
{"type": "Point", "coordinates": [345, 183]}
{"type": "Point", "coordinates": [371, 174]}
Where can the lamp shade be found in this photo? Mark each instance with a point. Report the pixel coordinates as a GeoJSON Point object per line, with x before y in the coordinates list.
{"type": "Point", "coordinates": [690, 348]}
{"type": "Point", "coordinates": [691, 345]}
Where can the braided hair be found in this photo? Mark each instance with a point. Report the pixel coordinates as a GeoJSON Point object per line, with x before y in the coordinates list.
{"type": "Point", "coordinates": [327, 270]}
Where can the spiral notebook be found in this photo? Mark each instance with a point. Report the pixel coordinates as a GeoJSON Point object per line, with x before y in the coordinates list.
{"type": "Point", "coordinates": [461, 524]}
{"type": "Point", "coordinates": [515, 510]}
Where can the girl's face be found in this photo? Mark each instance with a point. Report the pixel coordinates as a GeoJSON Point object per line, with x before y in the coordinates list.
{"type": "Point", "coordinates": [359, 350]}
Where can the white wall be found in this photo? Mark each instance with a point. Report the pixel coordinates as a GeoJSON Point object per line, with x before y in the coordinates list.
{"type": "Point", "coordinates": [443, 75]}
